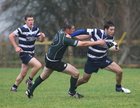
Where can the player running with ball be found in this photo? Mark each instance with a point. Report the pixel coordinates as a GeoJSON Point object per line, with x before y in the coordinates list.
{"type": "Point", "coordinates": [97, 55]}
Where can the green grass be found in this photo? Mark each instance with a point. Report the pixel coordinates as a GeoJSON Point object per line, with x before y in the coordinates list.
{"type": "Point", "coordinates": [99, 91]}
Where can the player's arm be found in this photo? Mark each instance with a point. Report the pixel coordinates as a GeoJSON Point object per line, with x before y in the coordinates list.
{"type": "Point", "coordinates": [81, 34]}
{"type": "Point", "coordinates": [91, 43]}
{"type": "Point", "coordinates": [83, 37]}
{"type": "Point", "coordinates": [41, 37]}
{"type": "Point", "coordinates": [12, 37]}
{"type": "Point", "coordinates": [72, 42]}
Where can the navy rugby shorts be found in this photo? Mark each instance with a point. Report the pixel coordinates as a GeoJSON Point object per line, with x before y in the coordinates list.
{"type": "Point", "coordinates": [92, 66]}
{"type": "Point", "coordinates": [25, 57]}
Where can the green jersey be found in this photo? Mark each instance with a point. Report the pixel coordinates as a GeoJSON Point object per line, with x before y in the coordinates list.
{"type": "Point", "coordinates": [59, 45]}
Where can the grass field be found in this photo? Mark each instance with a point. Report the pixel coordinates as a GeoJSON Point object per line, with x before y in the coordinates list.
{"type": "Point", "coordinates": [99, 91]}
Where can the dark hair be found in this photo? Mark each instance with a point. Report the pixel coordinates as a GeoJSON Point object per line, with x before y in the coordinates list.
{"type": "Point", "coordinates": [108, 24]}
{"type": "Point", "coordinates": [27, 16]}
{"type": "Point", "coordinates": [67, 24]}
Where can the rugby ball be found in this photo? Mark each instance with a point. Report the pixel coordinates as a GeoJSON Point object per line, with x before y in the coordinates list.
{"type": "Point", "coordinates": [114, 46]}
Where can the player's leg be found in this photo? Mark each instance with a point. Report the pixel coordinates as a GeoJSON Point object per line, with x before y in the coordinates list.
{"type": "Point", "coordinates": [36, 65]}
{"type": "Point", "coordinates": [90, 67]}
{"type": "Point", "coordinates": [20, 77]}
{"type": "Point", "coordinates": [114, 67]}
{"type": "Point", "coordinates": [85, 78]}
{"type": "Point", "coordinates": [44, 75]}
{"type": "Point", "coordinates": [71, 70]}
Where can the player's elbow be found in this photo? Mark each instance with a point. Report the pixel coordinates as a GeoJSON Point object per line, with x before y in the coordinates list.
{"type": "Point", "coordinates": [11, 36]}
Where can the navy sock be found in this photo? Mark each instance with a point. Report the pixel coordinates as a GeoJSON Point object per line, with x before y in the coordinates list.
{"type": "Point", "coordinates": [15, 86]}
{"type": "Point", "coordinates": [118, 86]}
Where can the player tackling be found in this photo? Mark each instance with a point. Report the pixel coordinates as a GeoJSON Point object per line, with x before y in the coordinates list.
{"type": "Point", "coordinates": [54, 56]}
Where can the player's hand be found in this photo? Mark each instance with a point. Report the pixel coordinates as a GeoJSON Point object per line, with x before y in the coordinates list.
{"type": "Point", "coordinates": [42, 34]}
{"type": "Point", "coordinates": [18, 49]}
{"type": "Point", "coordinates": [41, 37]}
{"type": "Point", "coordinates": [68, 36]}
{"type": "Point", "coordinates": [114, 48]}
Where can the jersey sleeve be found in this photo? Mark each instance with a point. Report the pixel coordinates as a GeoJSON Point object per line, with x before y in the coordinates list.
{"type": "Point", "coordinates": [79, 32]}
{"type": "Point", "coordinates": [70, 42]}
{"type": "Point", "coordinates": [16, 32]}
{"type": "Point", "coordinates": [90, 31]}
{"type": "Point", "coordinates": [38, 32]}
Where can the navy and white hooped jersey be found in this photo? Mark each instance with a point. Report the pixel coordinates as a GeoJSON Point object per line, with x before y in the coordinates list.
{"type": "Point", "coordinates": [96, 52]}
{"type": "Point", "coordinates": [27, 38]}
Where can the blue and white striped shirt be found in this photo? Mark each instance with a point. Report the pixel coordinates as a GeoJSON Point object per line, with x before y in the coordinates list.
{"type": "Point", "coordinates": [96, 52]}
{"type": "Point", "coordinates": [27, 38]}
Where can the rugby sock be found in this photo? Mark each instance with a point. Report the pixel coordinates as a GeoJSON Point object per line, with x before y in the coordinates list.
{"type": "Point", "coordinates": [15, 86]}
{"type": "Point", "coordinates": [73, 82]}
{"type": "Point", "coordinates": [36, 83]}
{"type": "Point", "coordinates": [118, 86]}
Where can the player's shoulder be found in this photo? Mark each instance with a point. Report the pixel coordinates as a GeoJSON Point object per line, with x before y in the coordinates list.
{"type": "Point", "coordinates": [22, 28]}
{"type": "Point", "coordinates": [26, 28]}
{"type": "Point", "coordinates": [35, 27]}
{"type": "Point", "coordinates": [61, 33]}
{"type": "Point", "coordinates": [99, 32]}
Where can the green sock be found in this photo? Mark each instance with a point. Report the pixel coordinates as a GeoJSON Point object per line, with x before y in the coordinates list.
{"type": "Point", "coordinates": [37, 82]}
{"type": "Point", "coordinates": [73, 82]}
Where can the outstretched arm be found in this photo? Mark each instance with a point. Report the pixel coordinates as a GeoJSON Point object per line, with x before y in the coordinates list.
{"type": "Point", "coordinates": [91, 43]}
